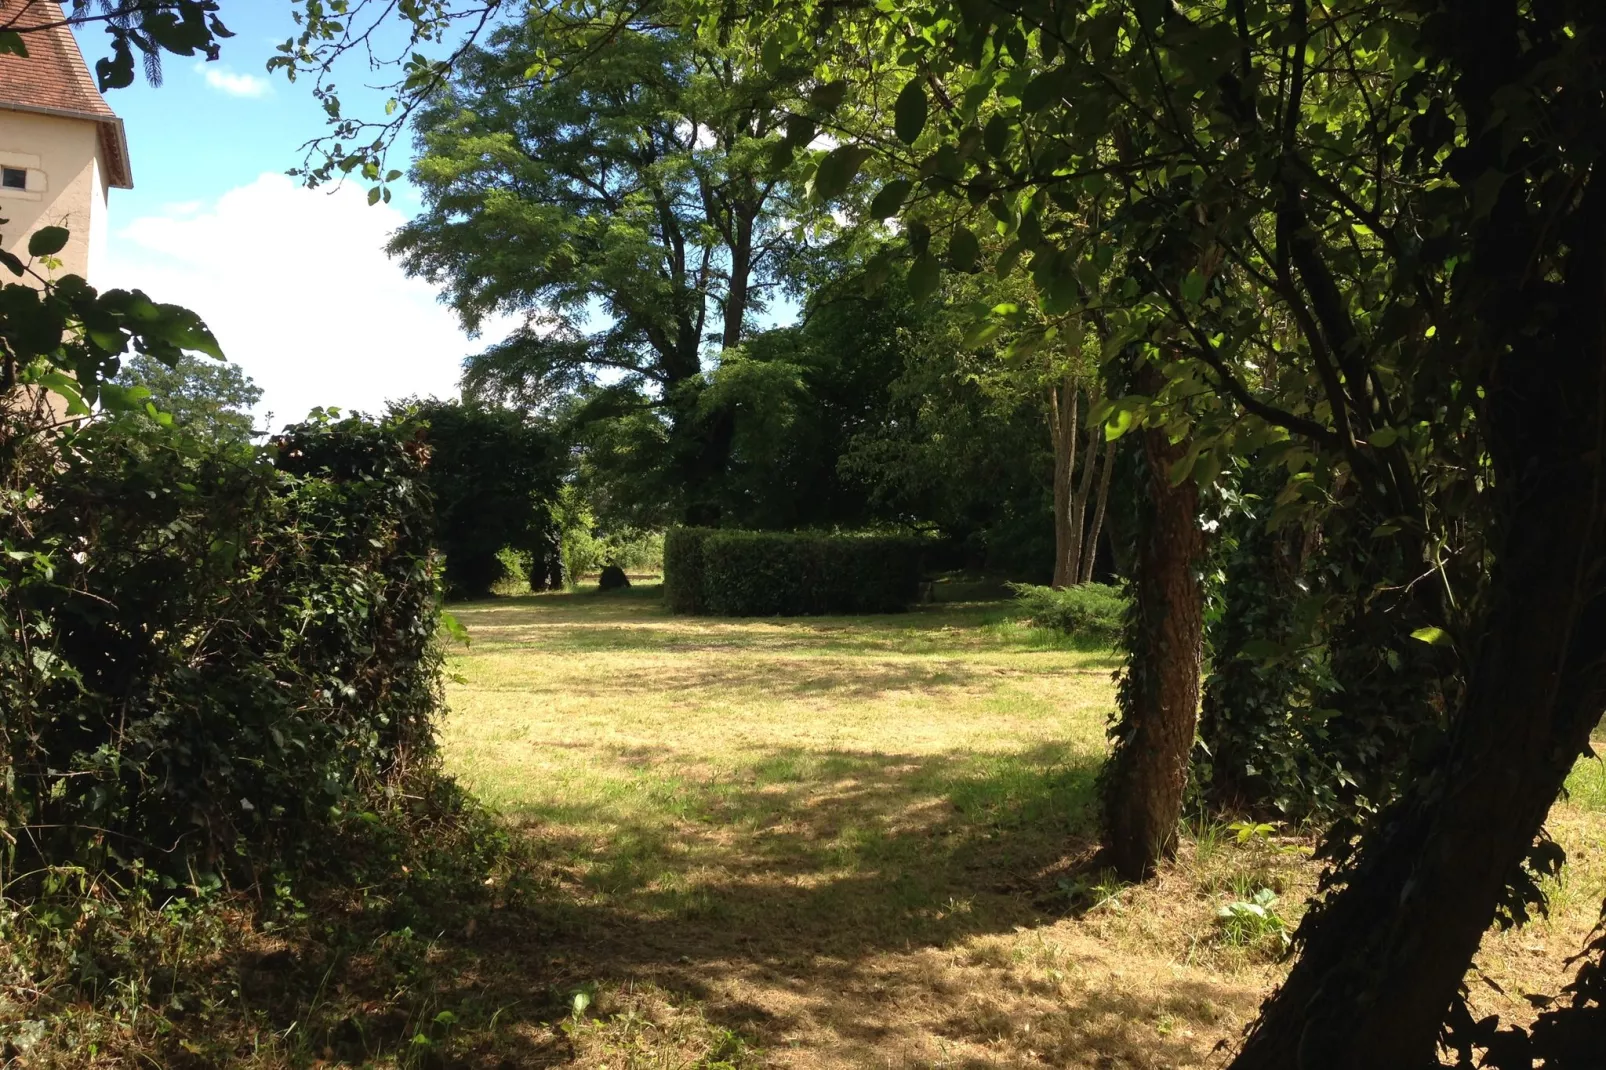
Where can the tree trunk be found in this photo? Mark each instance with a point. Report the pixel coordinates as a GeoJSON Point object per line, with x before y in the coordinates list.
{"type": "Point", "coordinates": [1159, 699]}
{"type": "Point", "coordinates": [741, 253]}
{"type": "Point", "coordinates": [1383, 958]}
{"type": "Point", "coordinates": [1090, 547]}
{"type": "Point", "coordinates": [1084, 493]}
{"type": "Point", "coordinates": [1062, 418]}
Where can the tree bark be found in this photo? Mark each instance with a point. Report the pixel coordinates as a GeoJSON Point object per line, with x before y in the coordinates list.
{"type": "Point", "coordinates": [1084, 493]}
{"type": "Point", "coordinates": [1144, 780]}
{"type": "Point", "coordinates": [1383, 958]}
{"type": "Point", "coordinates": [741, 253]}
{"type": "Point", "coordinates": [1090, 547]}
{"type": "Point", "coordinates": [1062, 417]}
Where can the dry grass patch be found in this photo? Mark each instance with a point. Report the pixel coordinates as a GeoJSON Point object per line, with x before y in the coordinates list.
{"type": "Point", "coordinates": [865, 843]}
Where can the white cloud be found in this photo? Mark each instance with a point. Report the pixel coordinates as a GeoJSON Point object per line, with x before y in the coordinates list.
{"type": "Point", "coordinates": [296, 285]}
{"type": "Point", "coordinates": [235, 84]}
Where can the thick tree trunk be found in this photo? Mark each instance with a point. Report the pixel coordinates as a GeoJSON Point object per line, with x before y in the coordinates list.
{"type": "Point", "coordinates": [1144, 781]}
{"type": "Point", "coordinates": [741, 253]}
{"type": "Point", "coordinates": [1383, 958]}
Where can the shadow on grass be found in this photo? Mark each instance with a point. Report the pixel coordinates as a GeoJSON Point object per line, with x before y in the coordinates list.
{"type": "Point", "coordinates": [802, 894]}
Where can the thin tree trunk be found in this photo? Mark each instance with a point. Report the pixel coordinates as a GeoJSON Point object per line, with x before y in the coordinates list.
{"type": "Point", "coordinates": [1084, 493]}
{"type": "Point", "coordinates": [1073, 522]}
{"type": "Point", "coordinates": [1090, 547]}
{"type": "Point", "coordinates": [1058, 419]}
{"type": "Point", "coordinates": [1144, 780]}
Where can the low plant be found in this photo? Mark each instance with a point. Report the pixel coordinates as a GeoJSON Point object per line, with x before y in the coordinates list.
{"type": "Point", "coordinates": [1253, 922]}
{"type": "Point", "coordinates": [1092, 611]}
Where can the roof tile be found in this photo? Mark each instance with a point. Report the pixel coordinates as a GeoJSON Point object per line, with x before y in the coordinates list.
{"type": "Point", "coordinates": [53, 76]}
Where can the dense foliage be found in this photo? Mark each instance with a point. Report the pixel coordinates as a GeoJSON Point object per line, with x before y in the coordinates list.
{"type": "Point", "coordinates": [206, 397]}
{"type": "Point", "coordinates": [494, 478]}
{"type": "Point", "coordinates": [1093, 611]}
{"type": "Point", "coordinates": [733, 573]}
{"type": "Point", "coordinates": [210, 651]}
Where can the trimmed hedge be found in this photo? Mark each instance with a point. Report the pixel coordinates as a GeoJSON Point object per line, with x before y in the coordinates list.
{"type": "Point", "coordinates": [782, 574]}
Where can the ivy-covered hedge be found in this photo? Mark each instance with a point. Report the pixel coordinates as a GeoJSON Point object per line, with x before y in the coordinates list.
{"type": "Point", "coordinates": [209, 653]}
{"type": "Point", "coordinates": [768, 574]}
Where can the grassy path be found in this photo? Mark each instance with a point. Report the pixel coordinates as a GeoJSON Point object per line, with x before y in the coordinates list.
{"type": "Point", "coordinates": [849, 843]}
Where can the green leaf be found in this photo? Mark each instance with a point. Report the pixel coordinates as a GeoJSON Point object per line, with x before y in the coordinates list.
{"type": "Point", "coordinates": [11, 44]}
{"type": "Point", "coordinates": [1119, 423]}
{"type": "Point", "coordinates": [771, 57]}
{"type": "Point", "coordinates": [1193, 287]}
{"type": "Point", "coordinates": [877, 271]}
{"type": "Point", "coordinates": [1040, 91]}
{"type": "Point", "coordinates": [924, 275]}
{"type": "Point", "coordinates": [1383, 437]}
{"type": "Point", "coordinates": [919, 236]}
{"type": "Point", "coordinates": [836, 171]}
{"type": "Point", "coordinates": [48, 241]}
{"type": "Point", "coordinates": [827, 97]}
{"type": "Point", "coordinates": [799, 130]}
{"type": "Point", "coordinates": [374, 195]}
{"type": "Point", "coordinates": [890, 198]}
{"type": "Point", "coordinates": [1009, 259]}
{"type": "Point", "coordinates": [963, 250]}
{"type": "Point", "coordinates": [11, 262]}
{"type": "Point", "coordinates": [1432, 636]}
{"type": "Point", "coordinates": [1182, 468]}
{"type": "Point", "coordinates": [909, 113]}
{"type": "Point", "coordinates": [981, 332]}
{"type": "Point", "coordinates": [996, 135]}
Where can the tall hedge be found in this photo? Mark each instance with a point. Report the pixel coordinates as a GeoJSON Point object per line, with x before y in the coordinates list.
{"type": "Point", "coordinates": [768, 574]}
{"type": "Point", "coordinates": [207, 652]}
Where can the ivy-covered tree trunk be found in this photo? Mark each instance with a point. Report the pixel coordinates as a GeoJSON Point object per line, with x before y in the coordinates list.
{"type": "Point", "coordinates": [1144, 781]}
{"type": "Point", "coordinates": [1251, 752]}
{"type": "Point", "coordinates": [1384, 955]}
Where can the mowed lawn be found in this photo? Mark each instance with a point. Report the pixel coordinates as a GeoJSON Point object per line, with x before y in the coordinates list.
{"type": "Point", "coordinates": [866, 842]}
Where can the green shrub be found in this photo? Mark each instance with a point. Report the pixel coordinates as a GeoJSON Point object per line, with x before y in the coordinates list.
{"type": "Point", "coordinates": [766, 574]}
{"type": "Point", "coordinates": [208, 652]}
{"type": "Point", "coordinates": [493, 477]}
{"type": "Point", "coordinates": [1086, 611]}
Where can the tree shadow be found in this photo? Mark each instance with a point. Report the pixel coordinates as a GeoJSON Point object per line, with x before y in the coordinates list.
{"type": "Point", "coordinates": [803, 896]}
{"type": "Point", "coordinates": [843, 901]}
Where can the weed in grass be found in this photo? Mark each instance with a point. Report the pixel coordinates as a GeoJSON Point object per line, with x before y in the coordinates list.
{"type": "Point", "coordinates": [1253, 922]}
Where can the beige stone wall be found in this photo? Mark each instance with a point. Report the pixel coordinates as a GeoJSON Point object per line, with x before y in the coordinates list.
{"type": "Point", "coordinates": [66, 186]}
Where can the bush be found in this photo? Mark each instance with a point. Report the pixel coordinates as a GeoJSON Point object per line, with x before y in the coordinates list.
{"type": "Point", "coordinates": [763, 574]}
{"type": "Point", "coordinates": [613, 578]}
{"type": "Point", "coordinates": [209, 652]}
{"type": "Point", "coordinates": [1087, 611]}
{"type": "Point", "coordinates": [493, 477]}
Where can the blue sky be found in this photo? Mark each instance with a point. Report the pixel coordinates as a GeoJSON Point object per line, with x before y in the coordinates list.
{"type": "Point", "coordinates": [294, 282]}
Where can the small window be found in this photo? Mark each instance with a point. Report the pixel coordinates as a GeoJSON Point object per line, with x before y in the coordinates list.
{"type": "Point", "coordinates": [13, 178]}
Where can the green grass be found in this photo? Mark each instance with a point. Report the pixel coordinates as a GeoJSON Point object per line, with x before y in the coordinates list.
{"type": "Point", "coordinates": [827, 829]}
{"type": "Point", "coordinates": [865, 841]}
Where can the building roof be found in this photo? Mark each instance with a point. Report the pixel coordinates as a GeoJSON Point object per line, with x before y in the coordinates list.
{"type": "Point", "coordinates": [52, 79]}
